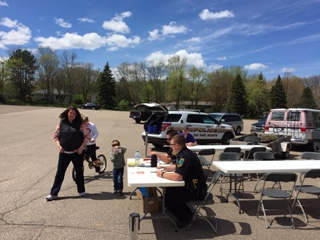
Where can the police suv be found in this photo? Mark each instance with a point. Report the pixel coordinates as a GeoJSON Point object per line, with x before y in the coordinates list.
{"type": "Point", "coordinates": [204, 128]}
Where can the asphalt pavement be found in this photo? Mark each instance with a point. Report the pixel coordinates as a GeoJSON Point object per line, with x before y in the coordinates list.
{"type": "Point", "coordinates": [28, 161]}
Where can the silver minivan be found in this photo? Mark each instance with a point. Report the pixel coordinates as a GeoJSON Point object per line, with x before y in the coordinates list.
{"type": "Point", "coordinates": [233, 119]}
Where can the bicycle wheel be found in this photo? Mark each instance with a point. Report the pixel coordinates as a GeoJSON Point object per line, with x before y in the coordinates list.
{"type": "Point", "coordinates": [74, 174]}
{"type": "Point", "coordinates": [103, 162]}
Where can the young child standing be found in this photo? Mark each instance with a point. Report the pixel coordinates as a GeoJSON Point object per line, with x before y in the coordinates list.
{"type": "Point", "coordinates": [117, 158]}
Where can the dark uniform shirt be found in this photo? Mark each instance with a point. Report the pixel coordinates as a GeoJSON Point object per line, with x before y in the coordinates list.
{"type": "Point", "coordinates": [188, 165]}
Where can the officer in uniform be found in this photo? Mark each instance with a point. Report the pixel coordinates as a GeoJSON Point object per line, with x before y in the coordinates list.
{"type": "Point", "coordinates": [166, 156]}
{"type": "Point", "coordinates": [188, 169]}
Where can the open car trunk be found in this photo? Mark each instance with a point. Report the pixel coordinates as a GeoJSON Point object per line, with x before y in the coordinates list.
{"type": "Point", "coordinates": [154, 122]}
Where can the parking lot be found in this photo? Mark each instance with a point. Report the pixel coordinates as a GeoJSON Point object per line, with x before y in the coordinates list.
{"type": "Point", "coordinates": [28, 159]}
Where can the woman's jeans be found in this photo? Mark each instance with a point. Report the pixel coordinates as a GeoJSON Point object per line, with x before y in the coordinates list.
{"type": "Point", "coordinates": [63, 163]}
{"type": "Point", "coordinates": [118, 179]}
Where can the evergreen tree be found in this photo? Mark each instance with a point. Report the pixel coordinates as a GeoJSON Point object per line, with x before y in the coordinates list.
{"type": "Point", "coordinates": [106, 88]}
{"type": "Point", "coordinates": [307, 99]}
{"type": "Point", "coordinates": [278, 96]}
{"type": "Point", "coordinates": [237, 101]}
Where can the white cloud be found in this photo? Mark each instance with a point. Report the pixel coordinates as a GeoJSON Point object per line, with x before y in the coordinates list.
{"type": "Point", "coordinates": [207, 15]}
{"type": "Point", "coordinates": [215, 66]}
{"type": "Point", "coordinates": [194, 39]}
{"type": "Point", "coordinates": [192, 58]}
{"type": "Point", "coordinates": [173, 28]}
{"type": "Point", "coordinates": [154, 35]}
{"type": "Point", "coordinates": [287, 70]}
{"type": "Point", "coordinates": [117, 24]}
{"type": "Point", "coordinates": [116, 41]}
{"type": "Point", "coordinates": [3, 58]}
{"type": "Point", "coordinates": [89, 41]}
{"type": "Point", "coordinates": [34, 51]}
{"type": "Point", "coordinates": [3, 4]}
{"type": "Point", "coordinates": [62, 23]}
{"type": "Point", "coordinates": [88, 20]}
{"type": "Point", "coordinates": [18, 35]}
{"type": "Point", "coordinates": [255, 66]}
{"type": "Point", "coordinates": [222, 58]}
{"type": "Point", "coordinates": [7, 22]}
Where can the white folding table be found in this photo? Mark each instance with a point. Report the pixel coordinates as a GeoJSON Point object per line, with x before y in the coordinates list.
{"type": "Point", "coordinates": [147, 177]}
{"type": "Point", "coordinates": [287, 166]}
{"type": "Point", "coordinates": [198, 148]}
{"type": "Point", "coordinates": [292, 166]}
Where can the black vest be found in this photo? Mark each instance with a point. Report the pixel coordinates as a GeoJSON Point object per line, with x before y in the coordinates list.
{"type": "Point", "coordinates": [70, 136]}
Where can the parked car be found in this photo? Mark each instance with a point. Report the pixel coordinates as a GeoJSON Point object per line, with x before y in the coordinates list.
{"type": "Point", "coordinates": [259, 125]}
{"type": "Point", "coordinates": [90, 106]}
{"type": "Point", "coordinates": [142, 111]}
{"type": "Point", "coordinates": [302, 124]}
{"type": "Point", "coordinates": [232, 119]}
{"type": "Point", "coordinates": [204, 128]}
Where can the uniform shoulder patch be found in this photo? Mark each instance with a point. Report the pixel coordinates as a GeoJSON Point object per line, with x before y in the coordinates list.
{"type": "Point", "coordinates": [180, 162]}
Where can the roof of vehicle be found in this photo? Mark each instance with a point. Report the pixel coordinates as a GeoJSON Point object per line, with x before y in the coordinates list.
{"type": "Point", "coordinates": [187, 111]}
{"type": "Point", "coordinates": [224, 113]}
{"type": "Point", "coordinates": [304, 109]}
{"type": "Point", "coordinates": [295, 109]}
{"type": "Point", "coordinates": [151, 105]}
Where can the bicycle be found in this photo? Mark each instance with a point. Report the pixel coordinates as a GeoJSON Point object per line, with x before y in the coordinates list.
{"type": "Point", "coordinates": [102, 163]}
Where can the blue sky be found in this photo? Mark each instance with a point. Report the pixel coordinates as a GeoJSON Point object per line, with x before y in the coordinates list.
{"type": "Point", "coordinates": [273, 37]}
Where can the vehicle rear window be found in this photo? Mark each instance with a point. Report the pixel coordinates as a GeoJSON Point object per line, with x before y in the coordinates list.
{"type": "Point", "coordinates": [207, 120]}
{"type": "Point", "coordinates": [216, 116]}
{"type": "Point", "coordinates": [293, 116]}
{"type": "Point", "coordinates": [315, 119]}
{"type": "Point", "coordinates": [277, 116]}
{"type": "Point", "coordinates": [172, 118]}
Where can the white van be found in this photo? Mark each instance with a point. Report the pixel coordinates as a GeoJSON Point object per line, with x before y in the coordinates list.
{"type": "Point", "coordinates": [302, 124]}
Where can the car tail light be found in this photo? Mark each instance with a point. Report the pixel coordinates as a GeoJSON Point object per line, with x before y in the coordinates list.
{"type": "Point", "coordinates": [266, 127]}
{"type": "Point", "coordinates": [303, 129]}
{"type": "Point", "coordinates": [165, 125]}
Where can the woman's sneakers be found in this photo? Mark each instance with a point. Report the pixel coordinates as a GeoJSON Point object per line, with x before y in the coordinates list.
{"type": "Point", "coordinates": [51, 197]}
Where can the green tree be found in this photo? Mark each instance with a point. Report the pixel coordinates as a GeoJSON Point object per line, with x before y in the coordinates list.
{"type": "Point", "coordinates": [307, 99]}
{"type": "Point", "coordinates": [277, 95]}
{"type": "Point", "coordinates": [21, 67]}
{"type": "Point", "coordinates": [218, 86]}
{"type": "Point", "coordinates": [257, 96]}
{"type": "Point", "coordinates": [237, 101]}
{"type": "Point", "coordinates": [106, 88]}
{"type": "Point", "coordinates": [197, 77]}
{"type": "Point", "coordinates": [122, 91]}
{"type": "Point", "coordinates": [48, 67]}
{"type": "Point", "coordinates": [176, 79]}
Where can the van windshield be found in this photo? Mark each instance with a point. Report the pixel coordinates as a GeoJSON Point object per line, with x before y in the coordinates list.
{"type": "Point", "coordinates": [277, 116]}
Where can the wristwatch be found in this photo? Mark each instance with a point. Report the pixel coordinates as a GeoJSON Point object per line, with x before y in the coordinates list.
{"type": "Point", "coordinates": [162, 173]}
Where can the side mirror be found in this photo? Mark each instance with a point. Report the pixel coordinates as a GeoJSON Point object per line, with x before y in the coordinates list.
{"type": "Point", "coordinates": [181, 121]}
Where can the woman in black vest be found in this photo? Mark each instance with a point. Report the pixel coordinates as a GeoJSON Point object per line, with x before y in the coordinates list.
{"type": "Point", "coordinates": [70, 137]}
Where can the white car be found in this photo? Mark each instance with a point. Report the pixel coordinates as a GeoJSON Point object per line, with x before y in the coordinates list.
{"type": "Point", "coordinates": [204, 128]}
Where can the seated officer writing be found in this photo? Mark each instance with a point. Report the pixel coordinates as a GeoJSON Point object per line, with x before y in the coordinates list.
{"type": "Point", "coordinates": [189, 169]}
{"type": "Point", "coordinates": [166, 156]}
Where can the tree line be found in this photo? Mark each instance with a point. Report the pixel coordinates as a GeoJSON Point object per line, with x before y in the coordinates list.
{"type": "Point", "coordinates": [62, 80]}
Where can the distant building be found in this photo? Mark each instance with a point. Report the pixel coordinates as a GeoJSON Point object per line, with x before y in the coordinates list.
{"type": "Point", "coordinates": [41, 94]}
